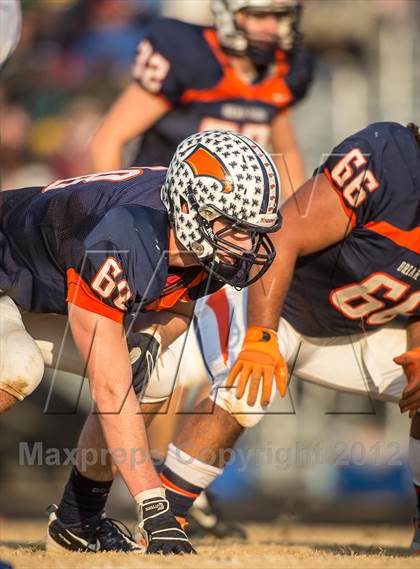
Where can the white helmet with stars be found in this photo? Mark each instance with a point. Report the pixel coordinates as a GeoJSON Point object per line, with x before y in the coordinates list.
{"type": "Point", "coordinates": [222, 174]}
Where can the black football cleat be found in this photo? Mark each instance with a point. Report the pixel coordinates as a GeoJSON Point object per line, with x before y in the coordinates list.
{"type": "Point", "coordinates": [94, 535]}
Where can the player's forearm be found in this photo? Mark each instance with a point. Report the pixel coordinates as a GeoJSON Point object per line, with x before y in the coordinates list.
{"type": "Point", "coordinates": [132, 114]}
{"type": "Point", "coordinates": [110, 379]}
{"type": "Point", "coordinates": [105, 152]}
{"type": "Point", "coordinates": [313, 219]}
{"type": "Point", "coordinates": [287, 155]}
{"type": "Point", "coordinates": [102, 344]}
{"type": "Point", "coordinates": [126, 437]}
{"type": "Point", "coordinates": [266, 296]}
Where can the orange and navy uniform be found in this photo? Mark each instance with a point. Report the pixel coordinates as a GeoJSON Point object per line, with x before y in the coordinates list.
{"type": "Point", "coordinates": [185, 65]}
{"type": "Point", "coordinates": [373, 275]}
{"type": "Point", "coordinates": [100, 242]}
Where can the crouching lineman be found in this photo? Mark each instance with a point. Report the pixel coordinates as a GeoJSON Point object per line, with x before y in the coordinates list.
{"type": "Point", "coordinates": [243, 74]}
{"type": "Point", "coordinates": [346, 283]}
{"type": "Point", "coordinates": [110, 245]}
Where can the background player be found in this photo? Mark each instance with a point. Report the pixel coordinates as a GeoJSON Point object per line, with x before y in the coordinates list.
{"type": "Point", "coordinates": [242, 75]}
{"type": "Point", "coordinates": [346, 283]}
{"type": "Point", "coordinates": [124, 250]}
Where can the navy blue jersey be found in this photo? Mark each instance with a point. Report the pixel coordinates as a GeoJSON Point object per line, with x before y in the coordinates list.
{"type": "Point", "coordinates": [99, 241]}
{"type": "Point", "coordinates": [373, 275]}
{"type": "Point", "coordinates": [184, 64]}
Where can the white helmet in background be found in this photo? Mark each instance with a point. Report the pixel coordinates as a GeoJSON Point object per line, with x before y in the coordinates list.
{"type": "Point", "coordinates": [234, 39]}
{"type": "Point", "coordinates": [222, 174]}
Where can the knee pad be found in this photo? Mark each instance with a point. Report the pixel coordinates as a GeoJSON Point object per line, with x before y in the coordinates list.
{"type": "Point", "coordinates": [163, 379]}
{"type": "Point", "coordinates": [21, 361]}
{"type": "Point", "coordinates": [239, 409]}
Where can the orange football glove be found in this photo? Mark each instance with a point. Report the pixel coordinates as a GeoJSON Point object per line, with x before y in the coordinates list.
{"type": "Point", "coordinates": [410, 399]}
{"type": "Point", "coordinates": [260, 358]}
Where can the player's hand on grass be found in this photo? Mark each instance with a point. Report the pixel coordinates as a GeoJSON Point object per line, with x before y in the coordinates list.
{"type": "Point", "coordinates": [410, 399]}
{"type": "Point", "coordinates": [259, 360]}
{"type": "Point", "coordinates": [158, 529]}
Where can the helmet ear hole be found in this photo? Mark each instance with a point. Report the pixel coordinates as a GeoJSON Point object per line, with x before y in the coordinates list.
{"type": "Point", "coordinates": [185, 208]}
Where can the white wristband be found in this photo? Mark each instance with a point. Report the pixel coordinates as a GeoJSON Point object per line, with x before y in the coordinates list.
{"type": "Point", "coordinates": [158, 492]}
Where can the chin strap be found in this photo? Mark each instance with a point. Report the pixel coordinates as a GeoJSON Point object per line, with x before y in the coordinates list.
{"type": "Point", "coordinates": [261, 58]}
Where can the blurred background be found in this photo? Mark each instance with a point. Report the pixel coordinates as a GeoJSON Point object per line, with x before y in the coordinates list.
{"type": "Point", "coordinates": [321, 455]}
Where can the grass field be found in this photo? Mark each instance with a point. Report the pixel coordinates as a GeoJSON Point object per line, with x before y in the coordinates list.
{"type": "Point", "coordinates": [268, 546]}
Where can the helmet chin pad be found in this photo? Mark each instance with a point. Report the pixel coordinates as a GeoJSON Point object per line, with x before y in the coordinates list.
{"type": "Point", "coordinates": [261, 55]}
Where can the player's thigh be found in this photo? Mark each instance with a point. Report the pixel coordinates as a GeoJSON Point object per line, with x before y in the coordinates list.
{"type": "Point", "coordinates": [361, 363]}
{"type": "Point", "coordinates": [192, 371]}
{"type": "Point", "coordinates": [21, 363]}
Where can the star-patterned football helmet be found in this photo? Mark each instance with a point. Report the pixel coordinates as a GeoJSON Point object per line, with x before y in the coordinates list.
{"type": "Point", "coordinates": [224, 175]}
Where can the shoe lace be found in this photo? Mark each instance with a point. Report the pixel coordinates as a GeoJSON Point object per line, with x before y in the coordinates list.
{"type": "Point", "coordinates": [115, 532]}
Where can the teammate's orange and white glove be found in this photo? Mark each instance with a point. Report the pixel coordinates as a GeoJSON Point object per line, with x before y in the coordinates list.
{"type": "Point", "coordinates": [259, 360]}
{"type": "Point", "coordinates": [410, 399]}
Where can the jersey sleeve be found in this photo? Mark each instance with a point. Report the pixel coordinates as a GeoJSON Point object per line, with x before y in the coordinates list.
{"type": "Point", "coordinates": [300, 74]}
{"type": "Point", "coordinates": [165, 62]}
{"type": "Point", "coordinates": [98, 274]}
{"type": "Point", "coordinates": [119, 262]}
{"type": "Point", "coordinates": [99, 284]}
{"type": "Point", "coordinates": [353, 171]}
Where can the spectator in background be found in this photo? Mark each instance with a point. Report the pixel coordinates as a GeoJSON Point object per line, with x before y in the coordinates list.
{"type": "Point", "coordinates": [49, 147]}
{"type": "Point", "coordinates": [107, 32]}
{"type": "Point", "coordinates": [71, 61]}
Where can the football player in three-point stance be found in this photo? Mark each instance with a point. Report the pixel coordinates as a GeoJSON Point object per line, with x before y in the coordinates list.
{"type": "Point", "coordinates": [346, 285]}
{"type": "Point", "coordinates": [243, 74]}
{"type": "Point", "coordinates": [112, 246]}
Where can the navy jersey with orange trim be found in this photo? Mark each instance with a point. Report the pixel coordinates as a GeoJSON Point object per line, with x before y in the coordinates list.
{"type": "Point", "coordinates": [184, 64]}
{"type": "Point", "coordinates": [98, 241]}
{"type": "Point", "coordinates": [373, 275]}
